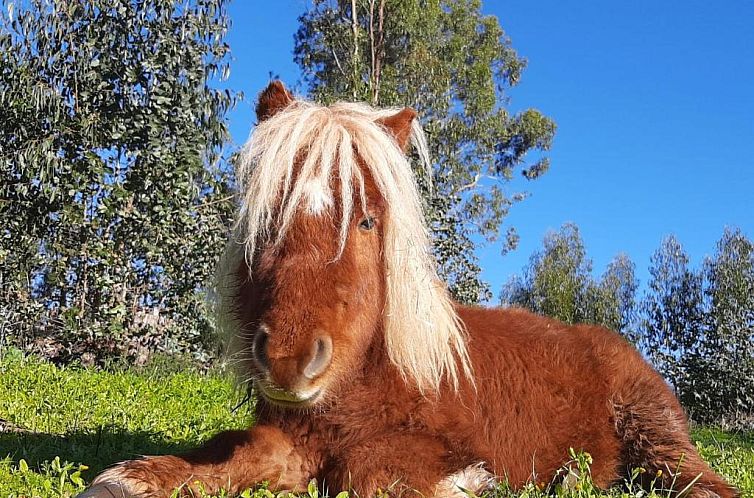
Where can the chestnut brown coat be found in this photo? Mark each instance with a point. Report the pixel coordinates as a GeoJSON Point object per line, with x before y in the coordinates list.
{"type": "Point", "coordinates": [349, 390]}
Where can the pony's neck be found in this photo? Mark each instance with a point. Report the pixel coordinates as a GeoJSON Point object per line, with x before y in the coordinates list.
{"type": "Point", "coordinates": [377, 366]}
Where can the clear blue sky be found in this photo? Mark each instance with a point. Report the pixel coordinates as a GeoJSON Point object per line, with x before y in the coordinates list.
{"type": "Point", "coordinates": [654, 102]}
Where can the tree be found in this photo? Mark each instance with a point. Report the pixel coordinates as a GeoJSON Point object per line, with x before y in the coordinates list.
{"type": "Point", "coordinates": [723, 380]}
{"type": "Point", "coordinates": [559, 276]}
{"type": "Point", "coordinates": [113, 203]}
{"type": "Point", "coordinates": [673, 312]}
{"type": "Point", "coordinates": [612, 301]}
{"type": "Point", "coordinates": [558, 283]}
{"type": "Point", "coordinates": [454, 65]}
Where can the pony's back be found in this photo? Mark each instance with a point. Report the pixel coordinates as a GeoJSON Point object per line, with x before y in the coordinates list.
{"type": "Point", "coordinates": [543, 387]}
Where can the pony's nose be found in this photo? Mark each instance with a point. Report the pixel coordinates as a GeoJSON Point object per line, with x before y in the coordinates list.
{"type": "Point", "coordinates": [321, 355]}
{"type": "Point", "coordinates": [317, 361]}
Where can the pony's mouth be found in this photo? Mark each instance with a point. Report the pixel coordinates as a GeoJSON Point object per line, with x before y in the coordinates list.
{"type": "Point", "coordinates": [283, 397]}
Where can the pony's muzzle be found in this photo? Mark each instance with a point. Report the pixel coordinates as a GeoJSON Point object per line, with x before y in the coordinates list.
{"type": "Point", "coordinates": [288, 371]}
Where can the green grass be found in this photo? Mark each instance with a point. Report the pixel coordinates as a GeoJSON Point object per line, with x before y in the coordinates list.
{"type": "Point", "coordinates": [61, 426]}
{"type": "Point", "coordinates": [95, 418]}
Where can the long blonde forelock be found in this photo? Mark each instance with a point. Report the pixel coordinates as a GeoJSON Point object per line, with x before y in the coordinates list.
{"type": "Point", "coordinates": [424, 337]}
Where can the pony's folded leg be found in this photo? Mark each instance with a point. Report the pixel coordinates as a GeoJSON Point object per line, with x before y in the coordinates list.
{"type": "Point", "coordinates": [231, 461]}
{"type": "Point", "coordinates": [135, 479]}
{"type": "Point", "coordinates": [407, 465]}
{"type": "Point", "coordinates": [474, 480]}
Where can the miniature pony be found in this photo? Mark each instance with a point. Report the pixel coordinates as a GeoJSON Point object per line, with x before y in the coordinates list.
{"type": "Point", "coordinates": [369, 378]}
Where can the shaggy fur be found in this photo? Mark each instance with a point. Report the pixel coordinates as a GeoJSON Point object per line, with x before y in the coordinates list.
{"type": "Point", "coordinates": [343, 401]}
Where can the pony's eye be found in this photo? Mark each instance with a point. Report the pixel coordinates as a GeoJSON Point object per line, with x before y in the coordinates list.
{"type": "Point", "coordinates": [367, 223]}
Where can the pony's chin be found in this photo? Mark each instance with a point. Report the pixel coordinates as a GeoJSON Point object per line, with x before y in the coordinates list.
{"type": "Point", "coordinates": [288, 399]}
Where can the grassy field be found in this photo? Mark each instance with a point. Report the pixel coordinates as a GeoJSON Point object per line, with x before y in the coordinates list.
{"type": "Point", "coordinates": [60, 426]}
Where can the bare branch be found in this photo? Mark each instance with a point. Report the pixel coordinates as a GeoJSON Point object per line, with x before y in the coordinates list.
{"type": "Point", "coordinates": [354, 64]}
{"type": "Point", "coordinates": [372, 52]}
{"type": "Point", "coordinates": [471, 185]}
{"type": "Point", "coordinates": [337, 62]}
{"type": "Point", "coordinates": [380, 51]}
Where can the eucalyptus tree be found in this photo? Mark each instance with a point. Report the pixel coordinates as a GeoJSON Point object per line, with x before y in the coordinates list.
{"type": "Point", "coordinates": [560, 276]}
{"type": "Point", "coordinates": [723, 381]}
{"type": "Point", "coordinates": [673, 315]}
{"type": "Point", "coordinates": [113, 197]}
{"type": "Point", "coordinates": [612, 300]}
{"type": "Point", "coordinates": [558, 282]}
{"type": "Point", "coordinates": [454, 65]}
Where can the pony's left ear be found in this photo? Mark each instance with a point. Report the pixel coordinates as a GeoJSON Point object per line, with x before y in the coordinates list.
{"type": "Point", "coordinates": [399, 125]}
{"type": "Point", "coordinates": [273, 99]}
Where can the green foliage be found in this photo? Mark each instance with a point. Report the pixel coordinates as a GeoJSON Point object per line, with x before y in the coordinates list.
{"type": "Point", "coordinates": [556, 280]}
{"type": "Point", "coordinates": [52, 479]}
{"type": "Point", "coordinates": [558, 283]}
{"type": "Point", "coordinates": [721, 373]}
{"type": "Point", "coordinates": [613, 299]}
{"type": "Point", "coordinates": [698, 327]}
{"type": "Point", "coordinates": [454, 65]}
{"type": "Point", "coordinates": [673, 315]}
{"type": "Point", "coordinates": [64, 425]}
{"type": "Point", "coordinates": [112, 205]}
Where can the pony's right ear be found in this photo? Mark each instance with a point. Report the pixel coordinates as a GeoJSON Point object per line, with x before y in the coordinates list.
{"type": "Point", "coordinates": [273, 99]}
{"type": "Point", "coordinates": [399, 126]}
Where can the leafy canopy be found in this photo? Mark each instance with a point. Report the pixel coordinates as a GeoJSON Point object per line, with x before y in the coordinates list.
{"type": "Point", "coordinates": [558, 283]}
{"type": "Point", "coordinates": [112, 204]}
{"type": "Point", "coordinates": [454, 65]}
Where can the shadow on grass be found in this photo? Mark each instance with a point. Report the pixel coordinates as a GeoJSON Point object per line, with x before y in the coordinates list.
{"type": "Point", "coordinates": [97, 450]}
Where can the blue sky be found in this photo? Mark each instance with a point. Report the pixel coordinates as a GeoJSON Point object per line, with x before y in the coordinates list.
{"type": "Point", "coordinates": [654, 102]}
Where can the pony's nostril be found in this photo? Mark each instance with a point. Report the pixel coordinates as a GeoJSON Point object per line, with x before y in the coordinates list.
{"type": "Point", "coordinates": [321, 356]}
{"type": "Point", "coordinates": [259, 349]}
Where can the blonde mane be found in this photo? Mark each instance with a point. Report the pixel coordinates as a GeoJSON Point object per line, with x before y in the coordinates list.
{"type": "Point", "coordinates": [423, 335]}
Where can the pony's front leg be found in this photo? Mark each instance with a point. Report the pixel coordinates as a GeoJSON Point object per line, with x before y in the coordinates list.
{"type": "Point", "coordinates": [233, 461]}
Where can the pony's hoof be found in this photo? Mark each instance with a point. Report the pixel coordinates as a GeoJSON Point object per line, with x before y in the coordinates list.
{"type": "Point", "coordinates": [108, 490]}
{"type": "Point", "coordinates": [112, 483]}
{"type": "Point", "coordinates": [474, 480]}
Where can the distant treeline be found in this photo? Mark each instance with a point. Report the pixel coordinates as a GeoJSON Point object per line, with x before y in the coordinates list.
{"type": "Point", "coordinates": [696, 325]}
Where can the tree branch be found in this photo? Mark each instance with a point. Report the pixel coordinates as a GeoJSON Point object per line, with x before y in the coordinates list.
{"type": "Point", "coordinates": [372, 51]}
{"type": "Point", "coordinates": [380, 51]}
{"type": "Point", "coordinates": [354, 63]}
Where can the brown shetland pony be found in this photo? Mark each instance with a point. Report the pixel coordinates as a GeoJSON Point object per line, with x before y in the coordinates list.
{"type": "Point", "coordinates": [369, 377]}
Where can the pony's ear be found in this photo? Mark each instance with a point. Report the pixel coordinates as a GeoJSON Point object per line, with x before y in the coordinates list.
{"type": "Point", "coordinates": [273, 99]}
{"type": "Point", "coordinates": [399, 125]}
